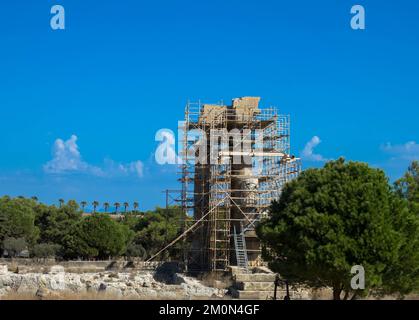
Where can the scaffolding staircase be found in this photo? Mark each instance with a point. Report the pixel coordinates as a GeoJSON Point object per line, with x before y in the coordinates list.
{"type": "Point", "coordinates": [241, 251]}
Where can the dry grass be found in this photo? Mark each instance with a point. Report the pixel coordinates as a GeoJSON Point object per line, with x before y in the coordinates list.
{"type": "Point", "coordinates": [106, 296]}
{"type": "Point", "coordinates": [61, 296]}
{"type": "Point", "coordinates": [71, 296]}
{"type": "Point", "coordinates": [94, 296]}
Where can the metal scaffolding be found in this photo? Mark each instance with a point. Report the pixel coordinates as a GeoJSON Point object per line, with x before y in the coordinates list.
{"type": "Point", "coordinates": [228, 189]}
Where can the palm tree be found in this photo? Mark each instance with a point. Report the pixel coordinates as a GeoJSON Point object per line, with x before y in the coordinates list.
{"type": "Point", "coordinates": [61, 201]}
{"type": "Point", "coordinates": [136, 205]}
{"type": "Point", "coordinates": [83, 205]}
{"type": "Point", "coordinates": [106, 206]}
{"type": "Point", "coordinates": [126, 205]}
{"type": "Point", "coordinates": [117, 205]}
{"type": "Point", "coordinates": [95, 204]}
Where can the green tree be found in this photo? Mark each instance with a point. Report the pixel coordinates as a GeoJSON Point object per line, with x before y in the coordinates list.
{"type": "Point", "coordinates": [106, 206]}
{"type": "Point", "coordinates": [83, 205]}
{"type": "Point", "coordinates": [17, 219]}
{"type": "Point", "coordinates": [330, 219]}
{"type": "Point", "coordinates": [126, 205]}
{"type": "Point", "coordinates": [44, 250]}
{"type": "Point", "coordinates": [404, 274]}
{"type": "Point", "coordinates": [156, 228]}
{"type": "Point", "coordinates": [136, 250]}
{"type": "Point", "coordinates": [117, 205]}
{"type": "Point", "coordinates": [55, 224]}
{"type": "Point", "coordinates": [95, 204]}
{"type": "Point", "coordinates": [14, 246]}
{"type": "Point", "coordinates": [408, 186]}
{"type": "Point", "coordinates": [98, 236]}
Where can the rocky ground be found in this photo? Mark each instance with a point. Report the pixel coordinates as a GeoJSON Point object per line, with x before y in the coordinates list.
{"type": "Point", "coordinates": [144, 285]}
{"type": "Point", "coordinates": [112, 285]}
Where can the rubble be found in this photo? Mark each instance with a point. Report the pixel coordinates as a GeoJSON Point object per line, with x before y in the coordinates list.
{"type": "Point", "coordinates": [137, 285]}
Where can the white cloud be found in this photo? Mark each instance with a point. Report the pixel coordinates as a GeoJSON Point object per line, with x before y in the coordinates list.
{"type": "Point", "coordinates": [67, 159]}
{"type": "Point", "coordinates": [308, 151]}
{"type": "Point", "coordinates": [408, 151]}
{"type": "Point", "coordinates": [400, 156]}
{"type": "Point", "coordinates": [113, 168]}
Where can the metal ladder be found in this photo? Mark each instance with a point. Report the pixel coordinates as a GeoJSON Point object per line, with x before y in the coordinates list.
{"type": "Point", "coordinates": [241, 251]}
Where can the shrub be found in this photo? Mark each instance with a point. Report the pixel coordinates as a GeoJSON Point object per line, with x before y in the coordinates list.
{"type": "Point", "coordinates": [14, 246]}
{"type": "Point", "coordinates": [45, 250]}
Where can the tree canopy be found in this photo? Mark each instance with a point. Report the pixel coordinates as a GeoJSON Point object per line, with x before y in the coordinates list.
{"type": "Point", "coordinates": [17, 219]}
{"type": "Point", "coordinates": [156, 228]}
{"type": "Point", "coordinates": [62, 231]}
{"type": "Point", "coordinates": [97, 236]}
{"type": "Point", "coordinates": [345, 214]}
{"type": "Point", "coordinates": [408, 186]}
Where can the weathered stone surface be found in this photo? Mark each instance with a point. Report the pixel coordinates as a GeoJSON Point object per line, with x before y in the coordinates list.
{"type": "Point", "coordinates": [251, 286]}
{"type": "Point", "coordinates": [57, 282]}
{"type": "Point", "coordinates": [25, 265]}
{"type": "Point", "coordinates": [56, 269]}
{"type": "Point", "coordinates": [41, 293]}
{"type": "Point", "coordinates": [255, 277]}
{"type": "Point", "coordinates": [110, 285]}
{"type": "Point", "coordinates": [252, 295]}
{"type": "Point", "coordinates": [3, 269]}
{"type": "Point", "coordinates": [262, 269]}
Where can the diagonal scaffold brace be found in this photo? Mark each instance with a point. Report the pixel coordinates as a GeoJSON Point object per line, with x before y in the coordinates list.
{"type": "Point", "coordinates": [184, 234]}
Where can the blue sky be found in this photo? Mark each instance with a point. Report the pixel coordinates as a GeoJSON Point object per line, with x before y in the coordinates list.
{"type": "Point", "coordinates": [80, 106]}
